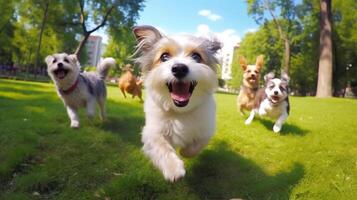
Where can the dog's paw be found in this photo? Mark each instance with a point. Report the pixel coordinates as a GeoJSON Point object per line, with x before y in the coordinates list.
{"type": "Point", "coordinates": [174, 170]}
{"type": "Point", "coordinates": [248, 121]}
{"type": "Point", "coordinates": [75, 124]}
{"type": "Point", "coordinates": [276, 128]}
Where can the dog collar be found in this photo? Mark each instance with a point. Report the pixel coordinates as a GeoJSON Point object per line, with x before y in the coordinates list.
{"type": "Point", "coordinates": [70, 89]}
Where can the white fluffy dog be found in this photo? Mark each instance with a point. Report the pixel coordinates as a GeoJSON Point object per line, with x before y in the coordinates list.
{"type": "Point", "coordinates": [79, 89]}
{"type": "Point", "coordinates": [180, 79]}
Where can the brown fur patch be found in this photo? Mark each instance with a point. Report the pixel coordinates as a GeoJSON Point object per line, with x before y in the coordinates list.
{"type": "Point", "coordinates": [130, 84]}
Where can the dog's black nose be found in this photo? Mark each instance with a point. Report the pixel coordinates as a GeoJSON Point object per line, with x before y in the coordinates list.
{"type": "Point", "coordinates": [179, 70]}
{"type": "Point", "coordinates": [60, 65]}
{"type": "Point", "coordinates": [253, 75]}
{"type": "Point", "coordinates": [276, 92]}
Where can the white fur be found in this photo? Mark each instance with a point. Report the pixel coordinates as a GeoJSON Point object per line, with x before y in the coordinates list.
{"type": "Point", "coordinates": [80, 96]}
{"type": "Point", "coordinates": [167, 126]}
{"type": "Point", "coordinates": [271, 108]}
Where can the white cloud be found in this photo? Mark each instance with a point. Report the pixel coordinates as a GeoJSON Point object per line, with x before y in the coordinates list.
{"type": "Point", "coordinates": [210, 15]}
{"type": "Point", "coordinates": [250, 30]}
{"type": "Point", "coordinates": [228, 37]}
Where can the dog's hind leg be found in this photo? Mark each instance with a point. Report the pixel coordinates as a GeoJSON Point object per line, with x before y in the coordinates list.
{"type": "Point", "coordinates": [73, 116]}
{"type": "Point", "coordinates": [250, 118]}
{"type": "Point", "coordinates": [91, 108]}
{"type": "Point", "coordinates": [103, 113]}
{"type": "Point", "coordinates": [193, 149]}
{"type": "Point", "coordinates": [163, 155]}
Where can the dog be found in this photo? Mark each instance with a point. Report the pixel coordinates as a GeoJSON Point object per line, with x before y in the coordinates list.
{"type": "Point", "coordinates": [180, 78]}
{"type": "Point", "coordinates": [250, 86]}
{"type": "Point", "coordinates": [273, 100]}
{"type": "Point", "coordinates": [78, 89]}
{"type": "Point", "coordinates": [129, 83]}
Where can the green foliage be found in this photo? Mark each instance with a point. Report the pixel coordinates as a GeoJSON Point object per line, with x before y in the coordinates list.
{"type": "Point", "coordinates": [42, 158]}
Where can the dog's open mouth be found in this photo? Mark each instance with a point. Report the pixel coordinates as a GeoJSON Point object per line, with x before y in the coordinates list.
{"type": "Point", "coordinates": [275, 98]}
{"type": "Point", "coordinates": [61, 73]}
{"type": "Point", "coordinates": [253, 79]}
{"type": "Point", "coordinates": [181, 91]}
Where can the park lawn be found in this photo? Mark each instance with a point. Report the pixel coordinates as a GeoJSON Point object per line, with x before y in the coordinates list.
{"type": "Point", "coordinates": [315, 156]}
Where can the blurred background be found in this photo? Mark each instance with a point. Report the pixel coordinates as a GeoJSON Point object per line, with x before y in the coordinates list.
{"type": "Point", "coordinates": [314, 41]}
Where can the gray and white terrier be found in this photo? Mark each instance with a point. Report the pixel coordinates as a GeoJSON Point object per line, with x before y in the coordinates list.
{"type": "Point", "coordinates": [272, 100]}
{"type": "Point", "coordinates": [78, 89]}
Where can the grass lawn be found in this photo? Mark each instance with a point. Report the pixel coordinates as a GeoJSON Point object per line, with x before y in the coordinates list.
{"type": "Point", "coordinates": [315, 156]}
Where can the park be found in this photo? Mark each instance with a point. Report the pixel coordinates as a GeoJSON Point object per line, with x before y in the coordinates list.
{"type": "Point", "coordinates": [312, 157]}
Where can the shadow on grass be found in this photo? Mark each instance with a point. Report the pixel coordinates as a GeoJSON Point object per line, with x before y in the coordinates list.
{"type": "Point", "coordinates": [220, 173]}
{"type": "Point", "coordinates": [286, 129]}
{"type": "Point", "coordinates": [127, 121]}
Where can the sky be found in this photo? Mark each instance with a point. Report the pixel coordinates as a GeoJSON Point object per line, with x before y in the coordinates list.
{"type": "Point", "coordinates": [227, 19]}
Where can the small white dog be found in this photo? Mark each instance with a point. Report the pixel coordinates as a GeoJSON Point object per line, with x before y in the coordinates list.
{"type": "Point", "coordinates": [79, 89]}
{"type": "Point", "coordinates": [273, 101]}
{"type": "Point", "coordinates": [180, 79]}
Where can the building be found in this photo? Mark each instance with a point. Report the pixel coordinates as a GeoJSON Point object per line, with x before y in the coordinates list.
{"type": "Point", "coordinates": [94, 50]}
{"type": "Point", "coordinates": [227, 59]}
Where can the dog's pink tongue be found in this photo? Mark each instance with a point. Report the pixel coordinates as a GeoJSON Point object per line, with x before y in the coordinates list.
{"type": "Point", "coordinates": [181, 91]}
{"type": "Point", "coordinates": [61, 74]}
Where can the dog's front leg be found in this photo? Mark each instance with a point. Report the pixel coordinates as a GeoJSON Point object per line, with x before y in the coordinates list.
{"type": "Point", "coordinates": [163, 155]}
{"type": "Point", "coordinates": [250, 118]}
{"type": "Point", "coordinates": [73, 116]}
{"type": "Point", "coordinates": [279, 123]}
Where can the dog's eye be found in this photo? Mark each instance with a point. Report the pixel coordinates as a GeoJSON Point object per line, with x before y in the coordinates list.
{"type": "Point", "coordinates": [196, 57]}
{"type": "Point", "coordinates": [256, 71]}
{"type": "Point", "coordinates": [248, 71]}
{"type": "Point", "coordinates": [164, 57]}
{"type": "Point", "coordinates": [54, 60]}
{"type": "Point", "coordinates": [66, 60]}
{"type": "Point", "coordinates": [282, 88]}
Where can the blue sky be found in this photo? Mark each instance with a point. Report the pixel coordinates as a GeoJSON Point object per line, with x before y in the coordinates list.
{"type": "Point", "coordinates": [183, 16]}
{"type": "Point", "coordinates": [227, 18]}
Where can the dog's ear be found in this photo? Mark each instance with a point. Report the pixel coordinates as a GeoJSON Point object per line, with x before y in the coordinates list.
{"type": "Point", "coordinates": [285, 77]}
{"type": "Point", "coordinates": [269, 76]}
{"type": "Point", "coordinates": [243, 62]}
{"type": "Point", "coordinates": [260, 61]}
{"type": "Point", "coordinates": [49, 59]}
{"type": "Point", "coordinates": [146, 36]}
{"type": "Point", "coordinates": [73, 58]}
{"type": "Point", "coordinates": [214, 45]}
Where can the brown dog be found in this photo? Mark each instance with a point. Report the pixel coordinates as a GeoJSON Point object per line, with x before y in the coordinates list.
{"type": "Point", "coordinates": [129, 83]}
{"type": "Point", "coordinates": [250, 86]}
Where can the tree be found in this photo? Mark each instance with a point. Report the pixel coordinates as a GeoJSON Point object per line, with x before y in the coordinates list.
{"type": "Point", "coordinates": [44, 18]}
{"type": "Point", "coordinates": [324, 84]}
{"type": "Point", "coordinates": [257, 8]}
{"type": "Point", "coordinates": [110, 13]}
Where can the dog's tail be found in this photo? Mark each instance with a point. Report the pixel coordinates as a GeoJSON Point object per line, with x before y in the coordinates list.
{"type": "Point", "coordinates": [104, 66]}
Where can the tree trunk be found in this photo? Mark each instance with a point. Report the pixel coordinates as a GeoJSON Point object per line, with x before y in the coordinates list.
{"type": "Point", "coordinates": [324, 84]}
{"type": "Point", "coordinates": [287, 55]}
{"type": "Point", "coordinates": [81, 45]}
{"type": "Point", "coordinates": [40, 37]}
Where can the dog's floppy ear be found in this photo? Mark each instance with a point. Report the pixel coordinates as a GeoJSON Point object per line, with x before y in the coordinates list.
{"type": "Point", "coordinates": [214, 45]}
{"type": "Point", "coordinates": [285, 77]}
{"type": "Point", "coordinates": [243, 62]}
{"type": "Point", "coordinates": [146, 36]}
{"type": "Point", "coordinates": [49, 59]}
{"type": "Point", "coordinates": [269, 76]}
{"type": "Point", "coordinates": [260, 61]}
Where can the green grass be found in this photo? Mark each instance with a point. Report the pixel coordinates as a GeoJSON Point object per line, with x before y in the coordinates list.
{"type": "Point", "coordinates": [42, 158]}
